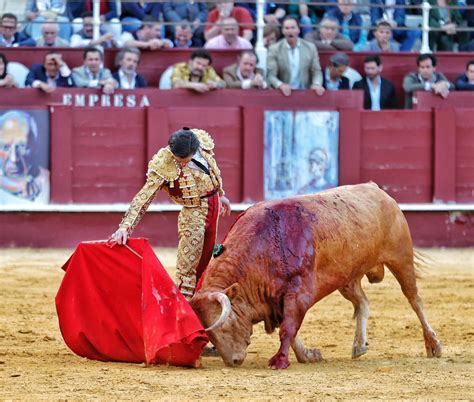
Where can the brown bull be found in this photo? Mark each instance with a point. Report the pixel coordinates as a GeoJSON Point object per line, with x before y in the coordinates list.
{"type": "Point", "coordinates": [281, 257]}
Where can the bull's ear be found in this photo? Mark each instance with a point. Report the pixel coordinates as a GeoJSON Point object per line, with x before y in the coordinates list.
{"type": "Point", "coordinates": [233, 291]}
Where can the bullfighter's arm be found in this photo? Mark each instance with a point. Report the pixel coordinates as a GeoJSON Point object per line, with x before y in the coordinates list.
{"type": "Point", "coordinates": [141, 201]}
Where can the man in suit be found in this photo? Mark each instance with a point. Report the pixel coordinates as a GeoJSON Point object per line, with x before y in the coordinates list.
{"type": "Point", "coordinates": [465, 82]}
{"type": "Point", "coordinates": [293, 63]}
{"type": "Point", "coordinates": [379, 93]}
{"type": "Point", "coordinates": [53, 73]}
{"type": "Point", "coordinates": [126, 76]}
{"type": "Point", "coordinates": [49, 36]}
{"type": "Point", "coordinates": [333, 78]}
{"type": "Point", "coordinates": [9, 37]}
{"type": "Point", "coordinates": [245, 74]}
{"type": "Point", "coordinates": [92, 74]}
{"type": "Point", "coordinates": [425, 79]}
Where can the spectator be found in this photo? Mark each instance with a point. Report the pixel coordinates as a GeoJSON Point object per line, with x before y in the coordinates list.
{"type": "Point", "coordinates": [447, 20]}
{"type": "Point", "coordinates": [49, 36]}
{"type": "Point", "coordinates": [328, 36]}
{"type": "Point", "coordinates": [379, 93]}
{"type": "Point", "coordinates": [38, 11]}
{"type": "Point", "coordinates": [293, 63]}
{"type": "Point", "coordinates": [197, 74]}
{"type": "Point", "coordinates": [271, 34]}
{"type": "Point", "coordinates": [382, 41]}
{"type": "Point", "coordinates": [245, 74]}
{"type": "Point", "coordinates": [464, 82]}
{"type": "Point", "coordinates": [134, 12]}
{"type": "Point", "coordinates": [298, 9]}
{"type": "Point", "coordinates": [384, 10]}
{"type": "Point", "coordinates": [147, 37]}
{"type": "Point", "coordinates": [349, 20]}
{"type": "Point", "coordinates": [425, 79]}
{"type": "Point", "coordinates": [183, 36]}
{"type": "Point", "coordinates": [54, 72]}
{"type": "Point", "coordinates": [195, 12]}
{"type": "Point", "coordinates": [9, 37]}
{"type": "Point", "coordinates": [224, 10]}
{"type": "Point", "coordinates": [92, 74]}
{"type": "Point", "coordinates": [84, 38]}
{"type": "Point", "coordinates": [229, 37]}
{"type": "Point", "coordinates": [109, 18]}
{"type": "Point", "coordinates": [6, 80]}
{"type": "Point", "coordinates": [126, 76]}
{"type": "Point", "coordinates": [333, 79]}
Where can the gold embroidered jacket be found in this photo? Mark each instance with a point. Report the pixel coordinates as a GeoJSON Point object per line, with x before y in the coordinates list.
{"type": "Point", "coordinates": [185, 186]}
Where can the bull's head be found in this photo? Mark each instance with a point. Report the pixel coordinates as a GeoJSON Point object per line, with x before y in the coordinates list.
{"type": "Point", "coordinates": [228, 328]}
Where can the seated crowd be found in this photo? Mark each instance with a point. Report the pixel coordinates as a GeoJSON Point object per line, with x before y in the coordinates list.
{"type": "Point", "coordinates": [379, 25]}
{"type": "Point", "coordinates": [292, 61]}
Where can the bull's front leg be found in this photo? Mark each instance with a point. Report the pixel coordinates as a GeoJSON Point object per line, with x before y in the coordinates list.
{"type": "Point", "coordinates": [293, 314]}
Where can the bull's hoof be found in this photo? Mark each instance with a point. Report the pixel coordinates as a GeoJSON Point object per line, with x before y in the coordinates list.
{"type": "Point", "coordinates": [359, 350]}
{"type": "Point", "coordinates": [434, 350]}
{"type": "Point", "coordinates": [310, 356]}
{"type": "Point", "coordinates": [278, 362]}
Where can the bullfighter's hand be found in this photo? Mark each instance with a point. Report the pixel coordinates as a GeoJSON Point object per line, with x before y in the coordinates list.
{"type": "Point", "coordinates": [225, 208]}
{"type": "Point", "coordinates": [120, 236]}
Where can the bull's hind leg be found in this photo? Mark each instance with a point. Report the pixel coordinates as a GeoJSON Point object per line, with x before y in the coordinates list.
{"type": "Point", "coordinates": [304, 354]}
{"type": "Point", "coordinates": [405, 275]}
{"type": "Point", "coordinates": [294, 310]}
{"type": "Point", "coordinates": [354, 293]}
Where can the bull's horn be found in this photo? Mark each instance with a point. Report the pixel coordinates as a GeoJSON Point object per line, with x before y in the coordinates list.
{"type": "Point", "coordinates": [226, 308]}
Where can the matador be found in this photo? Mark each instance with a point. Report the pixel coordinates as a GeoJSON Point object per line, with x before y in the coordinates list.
{"type": "Point", "coordinates": [187, 171]}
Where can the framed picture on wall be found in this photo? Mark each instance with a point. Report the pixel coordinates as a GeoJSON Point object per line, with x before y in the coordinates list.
{"type": "Point", "coordinates": [301, 152]}
{"type": "Point", "coordinates": [24, 157]}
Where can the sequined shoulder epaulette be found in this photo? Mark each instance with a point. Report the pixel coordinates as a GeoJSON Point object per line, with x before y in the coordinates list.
{"type": "Point", "coordinates": [206, 141]}
{"type": "Point", "coordinates": [164, 165]}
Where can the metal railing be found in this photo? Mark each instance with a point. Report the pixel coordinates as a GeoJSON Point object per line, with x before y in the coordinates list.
{"type": "Point", "coordinates": [260, 23]}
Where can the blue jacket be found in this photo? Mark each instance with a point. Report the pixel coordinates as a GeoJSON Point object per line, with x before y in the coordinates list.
{"type": "Point", "coordinates": [376, 13]}
{"type": "Point", "coordinates": [176, 11]}
{"type": "Point", "coordinates": [133, 9]}
{"type": "Point", "coordinates": [355, 20]}
{"type": "Point", "coordinates": [140, 81]}
{"type": "Point", "coordinates": [462, 84]}
{"type": "Point", "coordinates": [19, 39]}
{"type": "Point", "coordinates": [38, 73]}
{"type": "Point", "coordinates": [77, 7]}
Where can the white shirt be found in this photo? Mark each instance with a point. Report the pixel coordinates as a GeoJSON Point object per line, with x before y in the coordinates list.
{"type": "Point", "coordinates": [247, 82]}
{"type": "Point", "coordinates": [124, 83]}
{"type": "Point", "coordinates": [294, 61]}
{"type": "Point", "coordinates": [199, 158]}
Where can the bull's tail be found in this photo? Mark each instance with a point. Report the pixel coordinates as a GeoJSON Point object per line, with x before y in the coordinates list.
{"type": "Point", "coordinates": [421, 262]}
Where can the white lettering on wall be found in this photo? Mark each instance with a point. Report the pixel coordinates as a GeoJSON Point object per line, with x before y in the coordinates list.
{"type": "Point", "coordinates": [103, 100]}
{"type": "Point", "coordinates": [131, 101]}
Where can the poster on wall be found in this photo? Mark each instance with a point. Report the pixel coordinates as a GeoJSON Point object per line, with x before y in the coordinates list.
{"type": "Point", "coordinates": [24, 157]}
{"type": "Point", "coordinates": [301, 152]}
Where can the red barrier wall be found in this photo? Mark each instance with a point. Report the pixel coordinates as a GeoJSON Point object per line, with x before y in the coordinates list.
{"type": "Point", "coordinates": [99, 154]}
{"type": "Point", "coordinates": [152, 65]}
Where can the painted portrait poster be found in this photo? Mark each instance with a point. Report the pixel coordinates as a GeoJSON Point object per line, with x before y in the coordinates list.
{"type": "Point", "coordinates": [24, 157]}
{"type": "Point", "coordinates": [301, 152]}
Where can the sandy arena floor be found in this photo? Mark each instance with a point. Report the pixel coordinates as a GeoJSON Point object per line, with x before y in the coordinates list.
{"type": "Point", "coordinates": [35, 362]}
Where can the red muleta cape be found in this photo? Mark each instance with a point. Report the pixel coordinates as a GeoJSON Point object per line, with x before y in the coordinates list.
{"type": "Point", "coordinates": [114, 306]}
